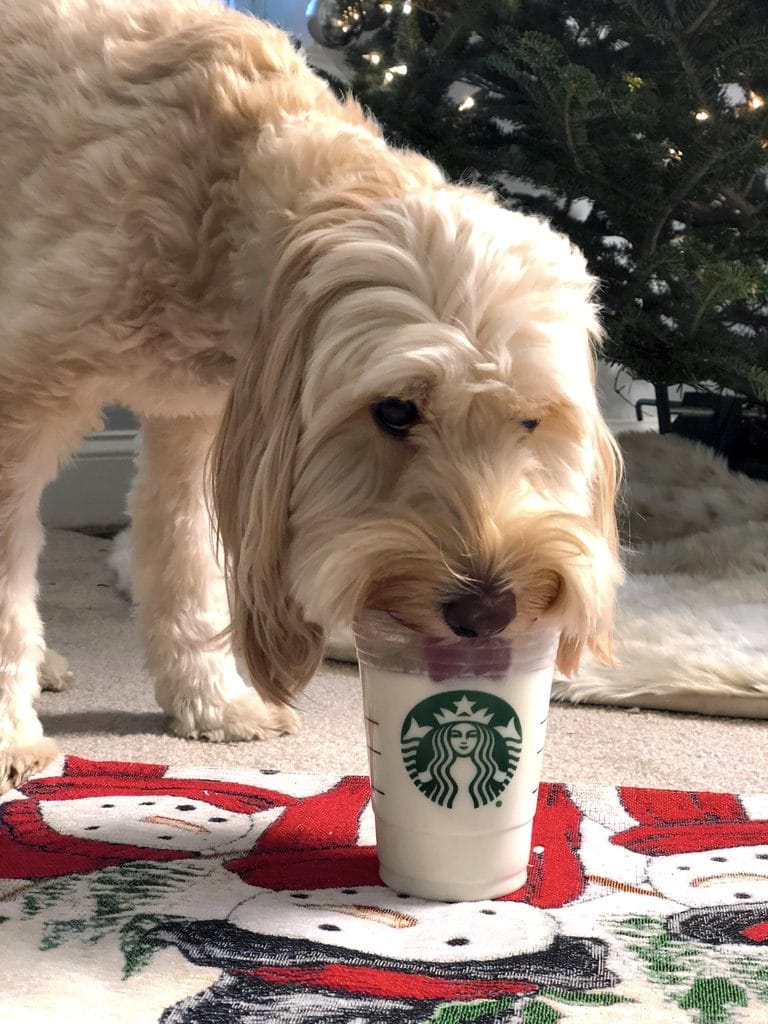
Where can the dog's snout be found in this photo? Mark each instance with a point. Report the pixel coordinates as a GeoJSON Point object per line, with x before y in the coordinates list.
{"type": "Point", "coordinates": [481, 612]}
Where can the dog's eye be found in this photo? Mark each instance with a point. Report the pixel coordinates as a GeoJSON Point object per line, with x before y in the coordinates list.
{"type": "Point", "coordinates": [395, 416]}
{"type": "Point", "coordinates": [530, 425]}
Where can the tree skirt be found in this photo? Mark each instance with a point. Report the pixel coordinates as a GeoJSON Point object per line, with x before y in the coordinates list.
{"type": "Point", "coordinates": [132, 893]}
{"type": "Point", "coordinates": [692, 619]}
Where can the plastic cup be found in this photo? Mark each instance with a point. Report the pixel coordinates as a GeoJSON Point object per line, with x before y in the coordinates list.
{"type": "Point", "coordinates": [455, 745]}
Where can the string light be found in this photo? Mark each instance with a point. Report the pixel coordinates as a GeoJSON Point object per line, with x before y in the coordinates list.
{"type": "Point", "coordinates": [755, 101]}
{"type": "Point", "coordinates": [348, 15]}
{"type": "Point", "coordinates": [676, 153]}
{"type": "Point", "coordinates": [467, 103]}
{"type": "Point", "coordinates": [396, 69]}
{"type": "Point", "coordinates": [701, 115]}
{"type": "Point", "coordinates": [407, 7]}
{"type": "Point", "coordinates": [387, 8]}
{"type": "Point", "coordinates": [373, 58]}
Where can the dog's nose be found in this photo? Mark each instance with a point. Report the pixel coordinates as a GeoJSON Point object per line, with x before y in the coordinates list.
{"type": "Point", "coordinates": [481, 612]}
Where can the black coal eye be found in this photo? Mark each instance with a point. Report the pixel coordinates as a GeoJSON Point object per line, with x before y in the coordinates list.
{"type": "Point", "coordinates": [394, 416]}
{"type": "Point", "coordinates": [530, 425]}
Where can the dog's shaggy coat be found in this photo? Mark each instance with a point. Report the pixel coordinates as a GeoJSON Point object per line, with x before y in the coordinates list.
{"type": "Point", "coordinates": [192, 225]}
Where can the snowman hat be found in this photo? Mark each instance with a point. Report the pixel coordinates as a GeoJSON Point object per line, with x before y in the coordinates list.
{"type": "Point", "coordinates": [82, 778]}
{"type": "Point", "coordinates": [673, 822]}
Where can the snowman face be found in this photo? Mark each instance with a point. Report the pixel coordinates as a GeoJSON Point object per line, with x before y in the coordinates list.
{"type": "Point", "coordinates": [376, 920]}
{"type": "Point", "coordinates": [158, 822]}
{"type": "Point", "coordinates": [736, 875]}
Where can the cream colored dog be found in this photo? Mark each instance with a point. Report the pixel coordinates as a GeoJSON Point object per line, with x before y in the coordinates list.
{"type": "Point", "coordinates": [395, 374]}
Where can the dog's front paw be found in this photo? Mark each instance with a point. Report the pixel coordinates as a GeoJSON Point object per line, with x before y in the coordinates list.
{"type": "Point", "coordinates": [54, 672]}
{"type": "Point", "coordinates": [20, 760]}
{"type": "Point", "coordinates": [245, 717]}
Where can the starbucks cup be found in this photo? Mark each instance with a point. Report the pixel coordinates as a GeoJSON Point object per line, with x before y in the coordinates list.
{"type": "Point", "coordinates": [455, 744]}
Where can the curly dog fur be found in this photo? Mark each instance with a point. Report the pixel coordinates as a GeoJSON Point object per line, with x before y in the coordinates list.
{"type": "Point", "coordinates": [192, 225]}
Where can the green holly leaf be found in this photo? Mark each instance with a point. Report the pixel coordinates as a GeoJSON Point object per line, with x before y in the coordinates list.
{"type": "Point", "coordinates": [538, 1012]}
{"type": "Point", "coordinates": [585, 998]}
{"type": "Point", "coordinates": [711, 997]}
{"type": "Point", "coordinates": [482, 1009]}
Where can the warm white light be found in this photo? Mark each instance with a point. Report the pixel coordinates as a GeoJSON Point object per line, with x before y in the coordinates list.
{"type": "Point", "coordinates": [374, 58]}
{"type": "Point", "coordinates": [755, 101]}
{"type": "Point", "coordinates": [388, 76]}
{"type": "Point", "coordinates": [676, 153]}
{"type": "Point", "coordinates": [387, 8]}
{"type": "Point", "coordinates": [399, 69]}
{"type": "Point", "coordinates": [406, 7]}
{"type": "Point", "coordinates": [701, 115]}
{"type": "Point", "coordinates": [467, 103]}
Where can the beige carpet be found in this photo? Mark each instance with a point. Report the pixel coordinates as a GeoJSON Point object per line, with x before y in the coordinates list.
{"type": "Point", "coordinates": [110, 711]}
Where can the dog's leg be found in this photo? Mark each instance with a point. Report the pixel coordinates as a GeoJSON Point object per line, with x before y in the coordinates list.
{"type": "Point", "coordinates": [181, 595]}
{"type": "Point", "coordinates": [54, 673]}
{"type": "Point", "coordinates": [30, 448]}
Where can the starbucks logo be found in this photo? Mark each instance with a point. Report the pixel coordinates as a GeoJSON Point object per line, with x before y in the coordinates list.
{"type": "Point", "coordinates": [461, 744]}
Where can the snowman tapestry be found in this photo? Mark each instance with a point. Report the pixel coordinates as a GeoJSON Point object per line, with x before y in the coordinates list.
{"type": "Point", "coordinates": [137, 893]}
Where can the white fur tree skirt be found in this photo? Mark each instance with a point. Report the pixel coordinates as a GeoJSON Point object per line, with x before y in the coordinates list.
{"type": "Point", "coordinates": [692, 620]}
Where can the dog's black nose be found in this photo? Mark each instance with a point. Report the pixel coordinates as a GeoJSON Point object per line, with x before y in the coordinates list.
{"type": "Point", "coordinates": [483, 611]}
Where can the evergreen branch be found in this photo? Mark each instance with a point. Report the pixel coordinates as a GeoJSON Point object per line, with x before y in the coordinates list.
{"type": "Point", "coordinates": [650, 241]}
{"type": "Point", "coordinates": [704, 305]}
{"type": "Point", "coordinates": [697, 22]}
{"type": "Point", "coordinates": [691, 73]}
{"type": "Point", "coordinates": [569, 96]}
{"type": "Point", "coordinates": [671, 11]}
{"type": "Point", "coordinates": [736, 201]}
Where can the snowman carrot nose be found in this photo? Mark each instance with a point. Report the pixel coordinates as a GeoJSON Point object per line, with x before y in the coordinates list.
{"type": "Point", "coordinates": [742, 876]}
{"type": "Point", "coordinates": [188, 826]}
{"type": "Point", "coordinates": [392, 918]}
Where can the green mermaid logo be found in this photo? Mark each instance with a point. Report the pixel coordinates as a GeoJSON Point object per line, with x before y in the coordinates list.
{"type": "Point", "coordinates": [461, 744]}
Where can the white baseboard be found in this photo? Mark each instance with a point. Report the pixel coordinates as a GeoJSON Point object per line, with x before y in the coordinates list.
{"type": "Point", "coordinates": [623, 426]}
{"type": "Point", "coordinates": [92, 490]}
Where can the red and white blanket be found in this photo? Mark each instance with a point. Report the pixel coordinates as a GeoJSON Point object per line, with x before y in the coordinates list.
{"type": "Point", "coordinates": [139, 893]}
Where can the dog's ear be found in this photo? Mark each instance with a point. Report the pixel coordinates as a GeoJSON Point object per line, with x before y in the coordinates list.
{"type": "Point", "coordinates": [605, 486]}
{"type": "Point", "coordinates": [608, 573]}
{"type": "Point", "coordinates": [252, 471]}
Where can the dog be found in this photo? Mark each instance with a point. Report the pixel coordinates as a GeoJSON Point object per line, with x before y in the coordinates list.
{"type": "Point", "coordinates": [384, 382]}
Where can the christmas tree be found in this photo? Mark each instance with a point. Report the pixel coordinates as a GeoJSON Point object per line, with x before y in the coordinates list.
{"type": "Point", "coordinates": [638, 127]}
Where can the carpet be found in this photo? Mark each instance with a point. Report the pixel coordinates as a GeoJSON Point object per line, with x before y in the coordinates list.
{"type": "Point", "coordinates": [132, 893]}
{"type": "Point", "coordinates": [692, 619]}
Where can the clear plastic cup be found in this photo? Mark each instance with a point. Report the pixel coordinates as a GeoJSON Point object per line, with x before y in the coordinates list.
{"type": "Point", "coordinates": [455, 745]}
